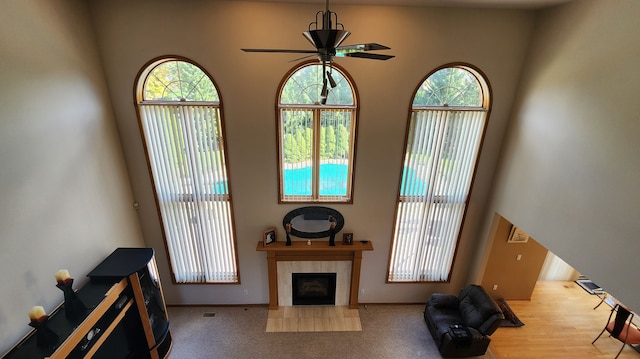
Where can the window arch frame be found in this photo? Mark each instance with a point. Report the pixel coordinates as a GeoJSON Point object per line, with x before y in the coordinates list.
{"type": "Point", "coordinates": [316, 109]}
{"type": "Point", "coordinates": [394, 275]}
{"type": "Point", "coordinates": [231, 261]}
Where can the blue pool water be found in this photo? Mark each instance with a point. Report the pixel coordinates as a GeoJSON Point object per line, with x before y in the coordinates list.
{"type": "Point", "coordinates": [419, 187]}
{"type": "Point", "coordinates": [333, 181]}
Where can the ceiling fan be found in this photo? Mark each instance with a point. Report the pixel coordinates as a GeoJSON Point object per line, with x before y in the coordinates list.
{"type": "Point", "coordinates": [327, 40]}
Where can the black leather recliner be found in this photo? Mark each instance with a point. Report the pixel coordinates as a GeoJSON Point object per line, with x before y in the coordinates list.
{"type": "Point", "coordinates": [474, 309]}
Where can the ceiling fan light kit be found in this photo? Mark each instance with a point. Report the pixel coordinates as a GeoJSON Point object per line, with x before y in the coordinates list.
{"type": "Point", "coordinates": [327, 40]}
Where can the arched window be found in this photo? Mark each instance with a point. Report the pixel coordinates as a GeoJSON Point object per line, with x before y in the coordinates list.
{"type": "Point", "coordinates": [180, 115]}
{"type": "Point", "coordinates": [317, 116]}
{"type": "Point", "coordinates": [446, 126]}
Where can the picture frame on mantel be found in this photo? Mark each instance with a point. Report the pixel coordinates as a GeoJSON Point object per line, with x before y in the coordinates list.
{"type": "Point", "coordinates": [269, 237]}
{"type": "Point", "coordinates": [347, 238]}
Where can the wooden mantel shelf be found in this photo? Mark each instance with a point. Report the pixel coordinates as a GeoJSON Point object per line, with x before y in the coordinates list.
{"type": "Point", "coordinates": [315, 246]}
{"type": "Point", "coordinates": [317, 251]}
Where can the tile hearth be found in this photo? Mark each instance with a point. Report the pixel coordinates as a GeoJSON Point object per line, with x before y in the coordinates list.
{"type": "Point", "coordinates": [313, 319]}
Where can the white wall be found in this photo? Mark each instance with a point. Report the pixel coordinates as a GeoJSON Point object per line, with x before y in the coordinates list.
{"type": "Point", "coordinates": [130, 33]}
{"type": "Point", "coordinates": [65, 196]}
{"type": "Point", "coordinates": [571, 167]}
{"type": "Point", "coordinates": [554, 268]}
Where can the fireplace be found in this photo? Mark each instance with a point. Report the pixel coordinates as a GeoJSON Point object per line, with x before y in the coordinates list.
{"type": "Point", "coordinates": [343, 259]}
{"type": "Point", "coordinates": [313, 288]}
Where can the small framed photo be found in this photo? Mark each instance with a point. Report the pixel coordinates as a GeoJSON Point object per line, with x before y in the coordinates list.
{"type": "Point", "coordinates": [347, 238]}
{"type": "Point", "coordinates": [269, 237]}
{"type": "Point", "coordinates": [517, 235]}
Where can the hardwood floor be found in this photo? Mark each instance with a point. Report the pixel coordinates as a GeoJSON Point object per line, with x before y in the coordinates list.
{"type": "Point", "coordinates": [560, 322]}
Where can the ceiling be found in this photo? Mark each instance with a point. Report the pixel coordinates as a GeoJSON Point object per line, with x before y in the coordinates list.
{"type": "Point", "coordinates": [511, 4]}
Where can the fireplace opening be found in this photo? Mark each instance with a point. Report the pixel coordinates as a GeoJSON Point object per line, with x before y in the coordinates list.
{"type": "Point", "coordinates": [313, 288]}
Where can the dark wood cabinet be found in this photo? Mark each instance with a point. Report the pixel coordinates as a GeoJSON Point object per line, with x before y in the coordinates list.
{"type": "Point", "coordinates": [125, 314]}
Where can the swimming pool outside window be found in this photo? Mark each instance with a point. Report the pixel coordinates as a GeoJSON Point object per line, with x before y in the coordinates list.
{"type": "Point", "coordinates": [446, 125]}
{"type": "Point", "coordinates": [180, 115]}
{"type": "Point", "coordinates": [316, 141]}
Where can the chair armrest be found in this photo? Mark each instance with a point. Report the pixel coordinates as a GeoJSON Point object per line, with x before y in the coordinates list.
{"type": "Point", "coordinates": [491, 324]}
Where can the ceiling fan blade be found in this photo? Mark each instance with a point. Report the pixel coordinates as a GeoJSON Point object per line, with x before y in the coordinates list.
{"type": "Point", "coordinates": [303, 57]}
{"type": "Point", "coordinates": [372, 46]}
{"type": "Point", "coordinates": [282, 51]}
{"type": "Point", "coordinates": [356, 50]}
{"type": "Point", "coordinates": [366, 55]}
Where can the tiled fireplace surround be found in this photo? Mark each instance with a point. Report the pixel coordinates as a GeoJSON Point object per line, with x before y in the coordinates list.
{"type": "Point", "coordinates": [342, 259]}
{"type": "Point", "coordinates": [341, 268]}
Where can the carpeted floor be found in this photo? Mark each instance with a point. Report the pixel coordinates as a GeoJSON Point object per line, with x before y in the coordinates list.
{"type": "Point", "coordinates": [388, 331]}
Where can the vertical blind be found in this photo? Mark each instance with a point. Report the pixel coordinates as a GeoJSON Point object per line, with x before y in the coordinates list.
{"type": "Point", "coordinates": [440, 158]}
{"type": "Point", "coordinates": [186, 153]}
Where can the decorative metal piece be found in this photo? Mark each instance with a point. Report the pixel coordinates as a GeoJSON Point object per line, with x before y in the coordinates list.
{"type": "Point", "coordinates": [74, 308]}
{"type": "Point", "coordinates": [313, 222]}
{"type": "Point", "coordinates": [45, 337]}
{"type": "Point", "coordinates": [288, 229]}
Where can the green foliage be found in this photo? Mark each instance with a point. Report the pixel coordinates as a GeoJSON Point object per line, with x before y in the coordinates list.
{"type": "Point", "coordinates": [334, 144]}
{"type": "Point", "coordinates": [342, 142]}
{"type": "Point", "coordinates": [179, 81]}
{"type": "Point", "coordinates": [308, 138]}
{"type": "Point", "coordinates": [451, 86]}
{"type": "Point", "coordinates": [301, 146]}
{"type": "Point", "coordinates": [289, 148]}
{"type": "Point", "coordinates": [297, 135]}
{"type": "Point", "coordinates": [305, 85]}
{"type": "Point", "coordinates": [330, 141]}
{"type": "Point", "coordinates": [323, 144]}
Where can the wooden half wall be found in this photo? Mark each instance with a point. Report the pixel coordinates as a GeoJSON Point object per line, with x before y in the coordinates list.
{"type": "Point", "coordinates": [512, 267]}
